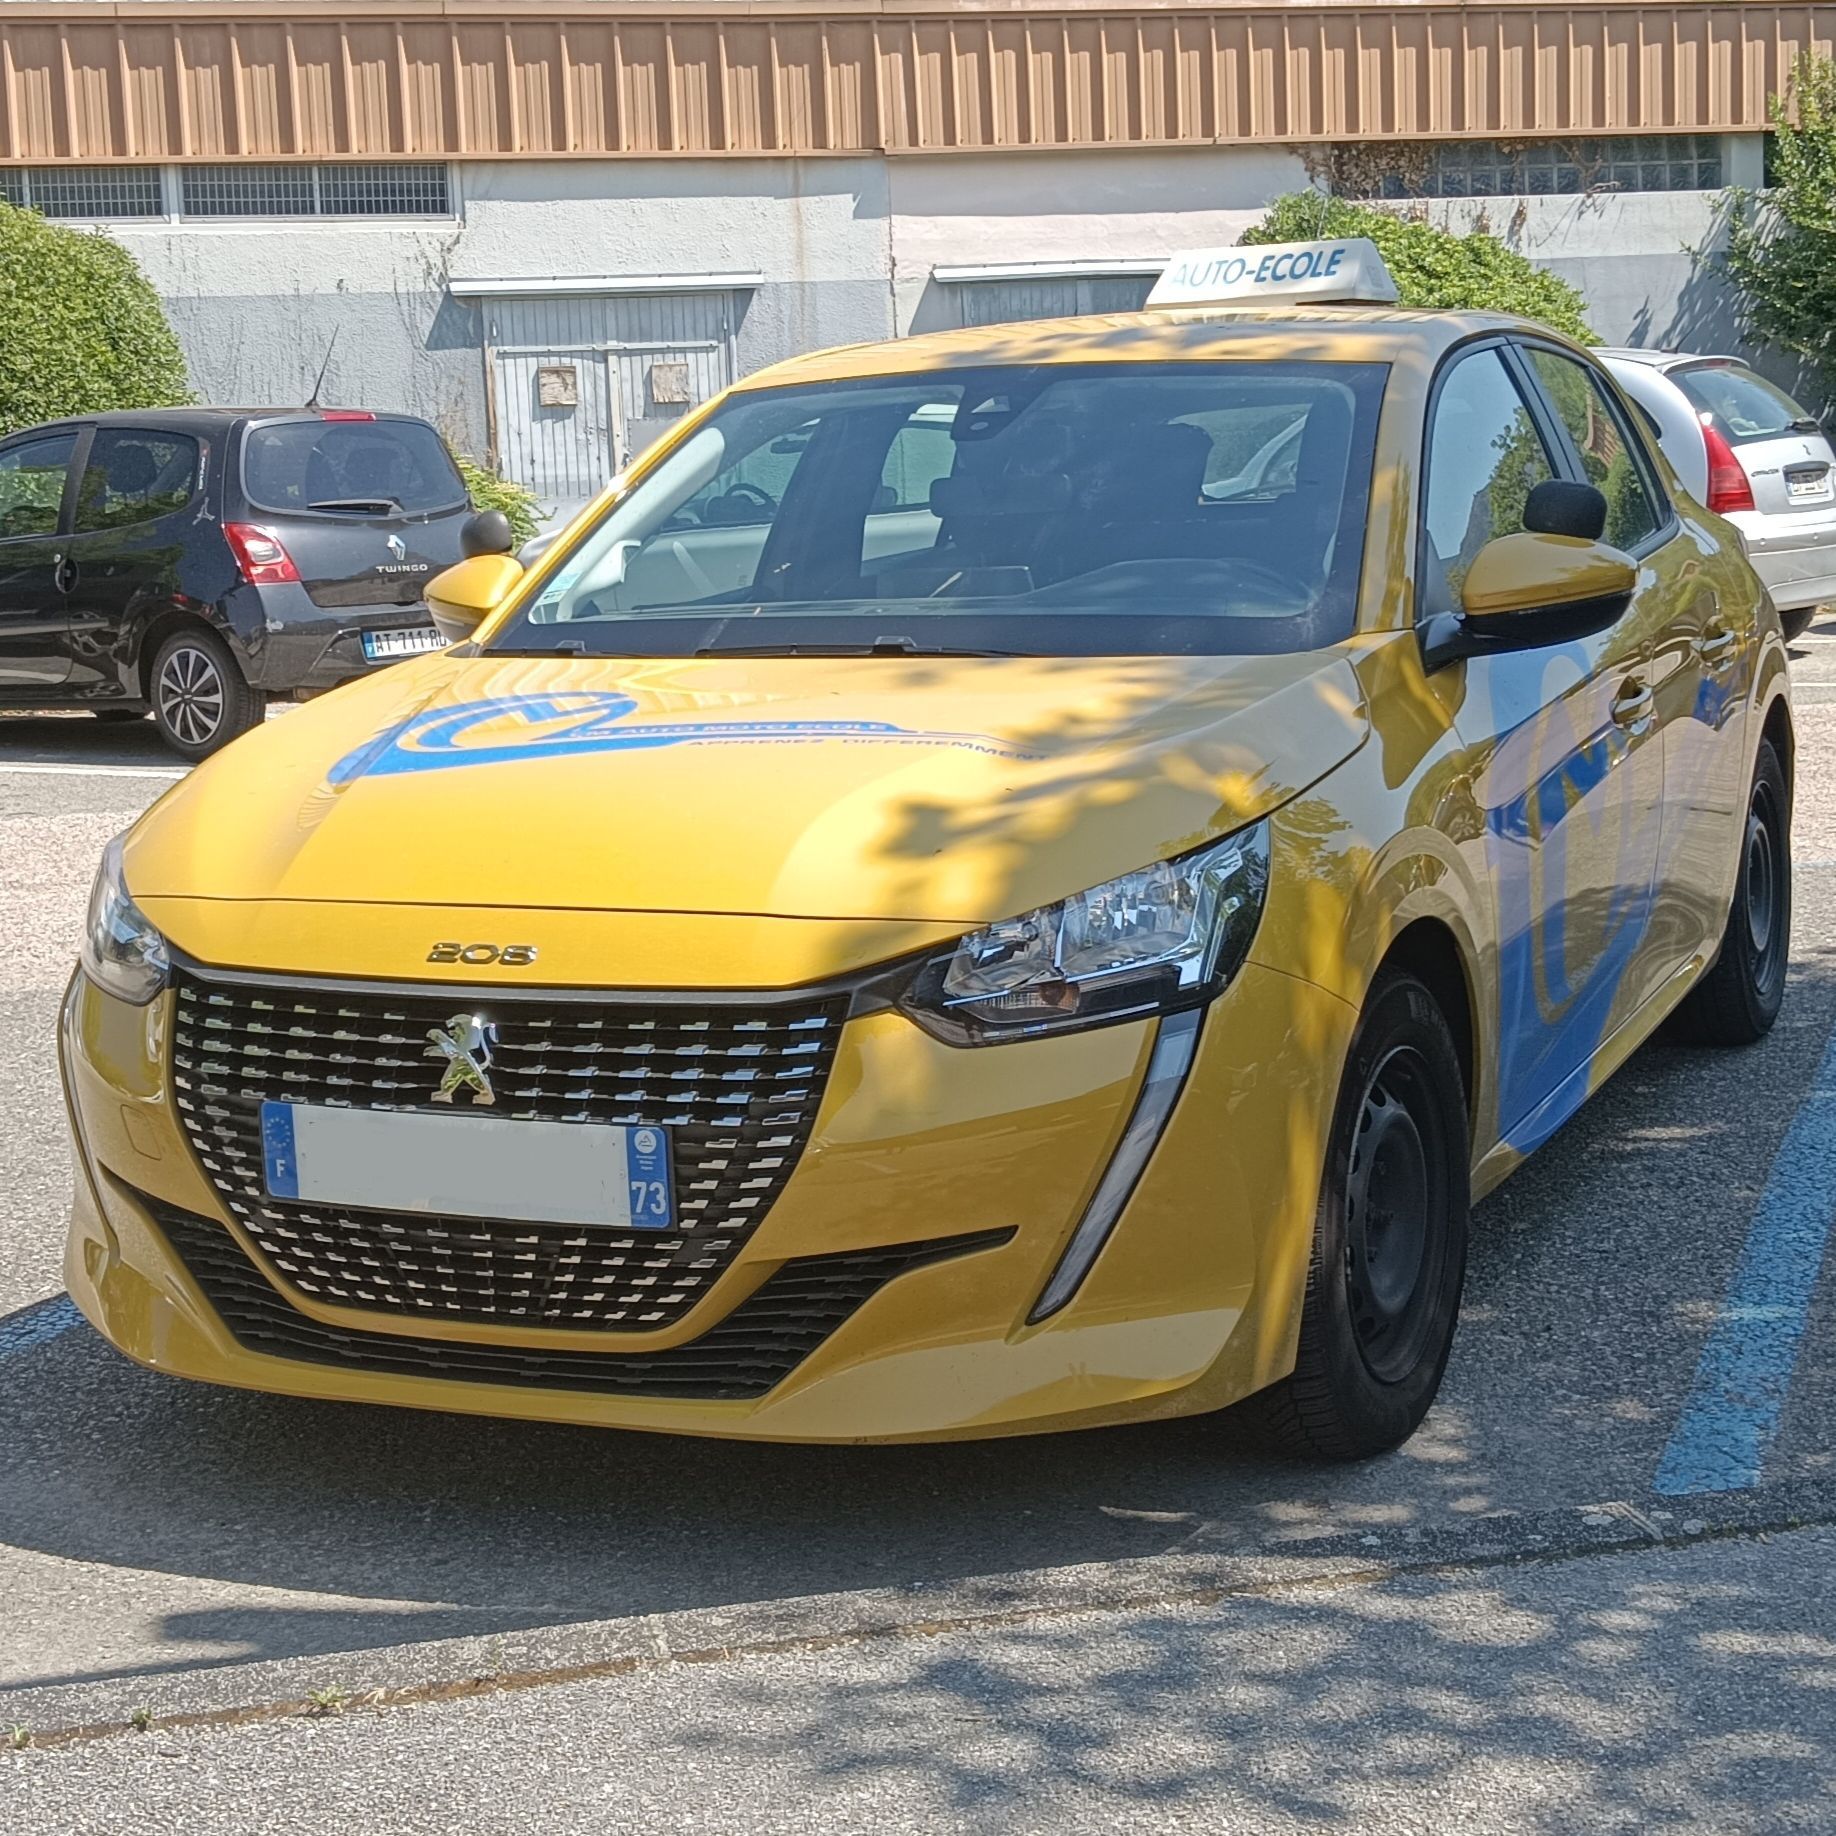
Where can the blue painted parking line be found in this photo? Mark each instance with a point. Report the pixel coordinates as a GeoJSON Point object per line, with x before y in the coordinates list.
{"type": "Point", "coordinates": [34, 1325]}
{"type": "Point", "coordinates": [1745, 1372]}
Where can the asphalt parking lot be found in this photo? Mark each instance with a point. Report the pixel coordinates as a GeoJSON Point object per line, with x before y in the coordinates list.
{"type": "Point", "coordinates": [1597, 1592]}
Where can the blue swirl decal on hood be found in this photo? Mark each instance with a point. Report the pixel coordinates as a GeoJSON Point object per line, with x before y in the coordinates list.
{"type": "Point", "coordinates": [508, 728]}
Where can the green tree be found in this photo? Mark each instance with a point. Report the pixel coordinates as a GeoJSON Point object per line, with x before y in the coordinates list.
{"type": "Point", "coordinates": [1782, 244]}
{"type": "Point", "coordinates": [1433, 268]}
{"type": "Point", "coordinates": [81, 330]}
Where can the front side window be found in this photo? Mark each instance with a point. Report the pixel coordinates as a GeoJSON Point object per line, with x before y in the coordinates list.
{"type": "Point", "coordinates": [1044, 510]}
{"type": "Point", "coordinates": [134, 475]}
{"type": "Point", "coordinates": [1601, 437]}
{"type": "Point", "coordinates": [32, 478]}
{"type": "Point", "coordinates": [350, 465]}
{"type": "Point", "coordinates": [1485, 457]}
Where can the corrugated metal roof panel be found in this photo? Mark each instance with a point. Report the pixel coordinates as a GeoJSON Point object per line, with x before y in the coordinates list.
{"type": "Point", "coordinates": [88, 80]}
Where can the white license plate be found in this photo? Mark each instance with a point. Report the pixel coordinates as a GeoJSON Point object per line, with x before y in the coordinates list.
{"type": "Point", "coordinates": [469, 1166]}
{"type": "Point", "coordinates": [1808, 490]}
{"type": "Point", "coordinates": [410, 642]}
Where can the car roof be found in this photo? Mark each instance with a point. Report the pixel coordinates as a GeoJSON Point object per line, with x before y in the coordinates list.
{"type": "Point", "coordinates": [197, 420]}
{"type": "Point", "coordinates": [1344, 334]}
{"type": "Point", "coordinates": [1665, 360]}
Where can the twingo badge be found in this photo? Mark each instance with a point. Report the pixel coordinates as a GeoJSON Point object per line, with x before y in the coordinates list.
{"type": "Point", "coordinates": [1344, 272]}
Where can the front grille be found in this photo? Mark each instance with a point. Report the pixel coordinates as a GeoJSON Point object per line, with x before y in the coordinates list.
{"type": "Point", "coordinates": [756, 1346]}
{"type": "Point", "coordinates": [737, 1086]}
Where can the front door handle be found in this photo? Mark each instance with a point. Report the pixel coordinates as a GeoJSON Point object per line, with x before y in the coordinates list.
{"type": "Point", "coordinates": [1633, 706]}
{"type": "Point", "coordinates": [64, 576]}
{"type": "Point", "coordinates": [1715, 646]}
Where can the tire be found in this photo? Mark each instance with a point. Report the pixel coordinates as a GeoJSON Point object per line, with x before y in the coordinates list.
{"type": "Point", "coordinates": [1738, 1000]}
{"type": "Point", "coordinates": [1798, 621]}
{"type": "Point", "coordinates": [1377, 1321]}
{"type": "Point", "coordinates": [118, 717]}
{"type": "Point", "coordinates": [200, 699]}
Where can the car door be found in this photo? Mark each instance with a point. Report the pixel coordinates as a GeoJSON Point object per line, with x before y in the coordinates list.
{"type": "Point", "coordinates": [1704, 634]}
{"type": "Point", "coordinates": [34, 478]}
{"type": "Point", "coordinates": [1562, 748]}
{"type": "Point", "coordinates": [131, 511]}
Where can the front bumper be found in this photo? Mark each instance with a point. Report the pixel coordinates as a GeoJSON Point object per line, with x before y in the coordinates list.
{"type": "Point", "coordinates": [1192, 1303]}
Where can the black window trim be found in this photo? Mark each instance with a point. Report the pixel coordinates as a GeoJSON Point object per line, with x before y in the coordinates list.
{"type": "Point", "coordinates": [1497, 342]}
{"type": "Point", "coordinates": [1629, 429]}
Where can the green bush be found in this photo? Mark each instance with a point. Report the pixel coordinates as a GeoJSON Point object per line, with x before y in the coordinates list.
{"type": "Point", "coordinates": [1782, 245]}
{"type": "Point", "coordinates": [1433, 268]}
{"type": "Point", "coordinates": [489, 492]}
{"type": "Point", "coordinates": [80, 328]}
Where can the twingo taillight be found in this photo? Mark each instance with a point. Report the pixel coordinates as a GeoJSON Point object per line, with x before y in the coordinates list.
{"type": "Point", "coordinates": [260, 555]}
{"type": "Point", "coordinates": [1728, 486]}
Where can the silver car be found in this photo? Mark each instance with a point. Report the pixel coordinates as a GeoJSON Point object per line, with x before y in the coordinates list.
{"type": "Point", "coordinates": [1747, 451]}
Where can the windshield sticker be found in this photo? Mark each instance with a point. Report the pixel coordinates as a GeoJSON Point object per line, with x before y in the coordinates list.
{"type": "Point", "coordinates": [508, 728]}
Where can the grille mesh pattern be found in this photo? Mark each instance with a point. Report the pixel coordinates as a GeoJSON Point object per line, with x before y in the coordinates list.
{"type": "Point", "coordinates": [408, 188]}
{"type": "Point", "coordinates": [737, 1087]}
{"type": "Point", "coordinates": [756, 1346]}
{"type": "Point", "coordinates": [87, 193]}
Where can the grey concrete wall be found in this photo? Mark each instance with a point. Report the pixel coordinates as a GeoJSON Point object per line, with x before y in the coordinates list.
{"type": "Point", "coordinates": [847, 249]}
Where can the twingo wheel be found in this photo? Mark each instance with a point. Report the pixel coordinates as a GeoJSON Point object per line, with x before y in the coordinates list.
{"type": "Point", "coordinates": [1389, 1243]}
{"type": "Point", "coordinates": [1738, 1000]}
{"type": "Point", "coordinates": [200, 700]}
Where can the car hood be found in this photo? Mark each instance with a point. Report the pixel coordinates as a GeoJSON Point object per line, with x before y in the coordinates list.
{"type": "Point", "coordinates": [919, 789]}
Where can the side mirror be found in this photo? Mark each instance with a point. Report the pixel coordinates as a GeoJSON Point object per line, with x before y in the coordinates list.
{"type": "Point", "coordinates": [463, 597]}
{"type": "Point", "coordinates": [1553, 583]}
{"type": "Point", "coordinates": [487, 533]}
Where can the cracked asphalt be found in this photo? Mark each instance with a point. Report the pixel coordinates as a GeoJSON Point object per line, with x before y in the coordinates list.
{"type": "Point", "coordinates": [1505, 1626]}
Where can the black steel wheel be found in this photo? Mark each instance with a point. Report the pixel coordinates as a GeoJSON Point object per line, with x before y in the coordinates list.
{"type": "Point", "coordinates": [1389, 1250]}
{"type": "Point", "coordinates": [200, 699]}
{"type": "Point", "coordinates": [1737, 1001]}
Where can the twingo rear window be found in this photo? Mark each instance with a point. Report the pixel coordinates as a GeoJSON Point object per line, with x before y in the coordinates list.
{"type": "Point", "coordinates": [382, 467]}
{"type": "Point", "coordinates": [1109, 509]}
{"type": "Point", "coordinates": [1745, 405]}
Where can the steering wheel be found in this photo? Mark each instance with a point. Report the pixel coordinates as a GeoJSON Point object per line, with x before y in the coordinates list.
{"type": "Point", "coordinates": [749, 493]}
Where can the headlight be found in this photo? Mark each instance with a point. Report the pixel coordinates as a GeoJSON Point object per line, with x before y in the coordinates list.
{"type": "Point", "coordinates": [122, 952]}
{"type": "Point", "coordinates": [1166, 937]}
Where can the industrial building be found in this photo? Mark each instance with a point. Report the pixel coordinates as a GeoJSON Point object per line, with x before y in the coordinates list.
{"type": "Point", "coordinates": [553, 227]}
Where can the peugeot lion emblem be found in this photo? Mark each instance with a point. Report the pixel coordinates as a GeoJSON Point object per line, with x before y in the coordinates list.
{"type": "Point", "coordinates": [465, 1042]}
{"type": "Point", "coordinates": [397, 547]}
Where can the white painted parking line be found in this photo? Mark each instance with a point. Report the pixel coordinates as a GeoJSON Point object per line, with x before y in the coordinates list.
{"type": "Point", "coordinates": [34, 1325]}
{"type": "Point", "coordinates": [1744, 1375]}
{"type": "Point", "coordinates": [42, 769]}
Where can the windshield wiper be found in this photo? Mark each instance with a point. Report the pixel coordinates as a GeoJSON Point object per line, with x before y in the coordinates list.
{"type": "Point", "coordinates": [880, 647]}
{"type": "Point", "coordinates": [380, 505]}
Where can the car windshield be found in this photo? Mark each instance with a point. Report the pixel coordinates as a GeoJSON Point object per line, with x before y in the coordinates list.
{"type": "Point", "coordinates": [1050, 510]}
{"type": "Point", "coordinates": [1745, 406]}
{"type": "Point", "coordinates": [354, 466]}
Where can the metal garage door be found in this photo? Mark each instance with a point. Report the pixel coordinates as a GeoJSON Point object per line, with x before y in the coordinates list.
{"type": "Point", "coordinates": [998, 302]}
{"type": "Point", "coordinates": [583, 381]}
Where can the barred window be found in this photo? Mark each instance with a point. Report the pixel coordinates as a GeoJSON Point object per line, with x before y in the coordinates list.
{"type": "Point", "coordinates": [1501, 169]}
{"type": "Point", "coordinates": [398, 189]}
{"type": "Point", "coordinates": [88, 193]}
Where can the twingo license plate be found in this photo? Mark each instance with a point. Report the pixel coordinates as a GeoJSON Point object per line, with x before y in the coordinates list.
{"type": "Point", "coordinates": [469, 1166]}
{"type": "Point", "coordinates": [411, 641]}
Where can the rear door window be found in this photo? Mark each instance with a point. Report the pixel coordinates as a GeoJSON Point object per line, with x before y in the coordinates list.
{"type": "Point", "coordinates": [1607, 446]}
{"type": "Point", "coordinates": [350, 467]}
{"type": "Point", "coordinates": [134, 475]}
{"type": "Point", "coordinates": [32, 478]}
{"type": "Point", "coordinates": [1745, 406]}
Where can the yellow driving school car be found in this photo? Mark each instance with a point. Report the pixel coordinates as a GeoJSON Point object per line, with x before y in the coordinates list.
{"type": "Point", "coordinates": [1016, 879]}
